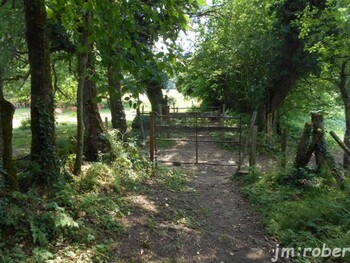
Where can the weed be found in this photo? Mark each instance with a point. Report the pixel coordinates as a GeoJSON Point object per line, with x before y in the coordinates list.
{"type": "Point", "coordinates": [152, 222]}
{"type": "Point", "coordinates": [170, 178]}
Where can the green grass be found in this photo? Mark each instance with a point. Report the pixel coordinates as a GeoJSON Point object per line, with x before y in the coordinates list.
{"type": "Point", "coordinates": [64, 139]}
{"type": "Point", "coordinates": [162, 144]}
{"type": "Point", "coordinates": [301, 215]}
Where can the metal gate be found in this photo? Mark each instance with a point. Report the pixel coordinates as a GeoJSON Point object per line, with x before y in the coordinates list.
{"type": "Point", "coordinates": [192, 132]}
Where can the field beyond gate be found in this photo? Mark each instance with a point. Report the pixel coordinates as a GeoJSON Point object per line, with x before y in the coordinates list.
{"type": "Point", "coordinates": [193, 132]}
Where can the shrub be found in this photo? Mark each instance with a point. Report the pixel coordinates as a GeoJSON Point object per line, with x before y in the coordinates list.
{"type": "Point", "coordinates": [25, 124]}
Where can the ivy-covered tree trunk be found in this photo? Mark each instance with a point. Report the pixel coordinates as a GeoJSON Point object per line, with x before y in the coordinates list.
{"type": "Point", "coordinates": [115, 98]}
{"type": "Point", "coordinates": [344, 91]}
{"type": "Point", "coordinates": [93, 124]}
{"type": "Point", "coordinates": [7, 111]}
{"type": "Point", "coordinates": [43, 150]}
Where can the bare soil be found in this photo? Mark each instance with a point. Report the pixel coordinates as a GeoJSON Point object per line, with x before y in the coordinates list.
{"type": "Point", "coordinates": [207, 221]}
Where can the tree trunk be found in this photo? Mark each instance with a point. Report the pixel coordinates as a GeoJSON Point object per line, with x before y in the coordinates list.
{"type": "Point", "coordinates": [93, 124]}
{"type": "Point", "coordinates": [43, 150]}
{"type": "Point", "coordinates": [82, 62]}
{"type": "Point", "coordinates": [155, 96]}
{"type": "Point", "coordinates": [7, 111]}
{"type": "Point", "coordinates": [115, 98]}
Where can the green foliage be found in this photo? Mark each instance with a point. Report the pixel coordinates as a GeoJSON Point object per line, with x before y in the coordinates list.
{"type": "Point", "coordinates": [311, 94]}
{"type": "Point", "coordinates": [307, 216]}
{"type": "Point", "coordinates": [80, 218]}
{"type": "Point", "coordinates": [13, 61]}
{"type": "Point", "coordinates": [325, 31]}
{"type": "Point", "coordinates": [74, 219]}
{"type": "Point", "coordinates": [235, 62]}
{"type": "Point", "coordinates": [25, 124]}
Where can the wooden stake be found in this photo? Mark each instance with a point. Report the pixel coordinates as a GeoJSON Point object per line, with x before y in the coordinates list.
{"type": "Point", "coordinates": [252, 160]}
{"type": "Point", "coordinates": [152, 136]}
{"type": "Point", "coordinates": [340, 143]}
{"type": "Point", "coordinates": [249, 136]}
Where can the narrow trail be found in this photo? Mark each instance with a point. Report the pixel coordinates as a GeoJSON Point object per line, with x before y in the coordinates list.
{"type": "Point", "coordinates": [209, 221]}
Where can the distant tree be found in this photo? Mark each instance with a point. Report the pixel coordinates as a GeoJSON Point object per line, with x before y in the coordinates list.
{"type": "Point", "coordinates": [251, 56]}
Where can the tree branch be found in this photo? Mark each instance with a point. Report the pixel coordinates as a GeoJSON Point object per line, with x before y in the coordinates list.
{"type": "Point", "coordinates": [55, 83]}
{"type": "Point", "coordinates": [212, 11]}
{"type": "Point", "coordinates": [18, 77]}
{"type": "Point", "coordinates": [3, 3]}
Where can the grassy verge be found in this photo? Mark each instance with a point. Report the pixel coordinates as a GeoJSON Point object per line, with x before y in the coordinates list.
{"type": "Point", "coordinates": [78, 218]}
{"type": "Point", "coordinates": [302, 213]}
{"type": "Point", "coordinates": [65, 133]}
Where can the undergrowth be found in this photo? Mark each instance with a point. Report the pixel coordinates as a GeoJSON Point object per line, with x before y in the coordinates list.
{"type": "Point", "coordinates": [306, 212]}
{"type": "Point", "coordinates": [78, 220]}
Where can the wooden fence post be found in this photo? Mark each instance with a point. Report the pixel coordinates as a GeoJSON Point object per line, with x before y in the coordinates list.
{"type": "Point", "coordinates": [140, 118]}
{"type": "Point", "coordinates": [152, 137]}
{"type": "Point", "coordinates": [249, 137]}
{"type": "Point", "coordinates": [196, 140]}
{"type": "Point", "coordinates": [252, 160]}
{"type": "Point", "coordinates": [222, 120]}
{"type": "Point", "coordinates": [168, 121]}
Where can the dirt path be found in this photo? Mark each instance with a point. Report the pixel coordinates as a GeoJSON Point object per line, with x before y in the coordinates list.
{"type": "Point", "coordinates": [208, 221]}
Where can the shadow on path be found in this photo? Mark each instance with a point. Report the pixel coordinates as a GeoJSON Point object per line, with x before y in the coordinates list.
{"type": "Point", "coordinates": [208, 221]}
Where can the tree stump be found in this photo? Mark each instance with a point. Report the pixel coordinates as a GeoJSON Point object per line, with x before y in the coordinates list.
{"type": "Point", "coordinates": [317, 145]}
